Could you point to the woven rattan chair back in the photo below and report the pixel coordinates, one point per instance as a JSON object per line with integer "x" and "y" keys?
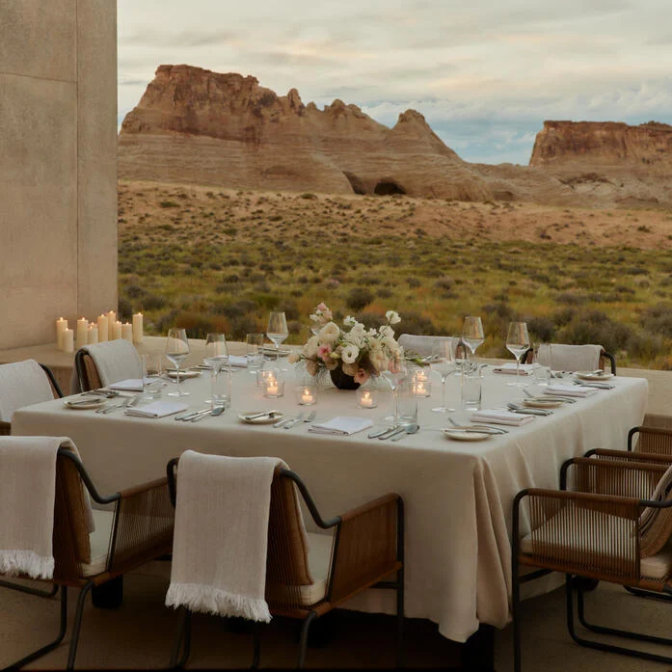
{"x": 87, "y": 373}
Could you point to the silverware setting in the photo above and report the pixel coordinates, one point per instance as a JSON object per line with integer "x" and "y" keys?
{"x": 550, "y": 397}
{"x": 478, "y": 427}
{"x": 523, "y": 410}
{"x": 381, "y": 432}
{"x": 264, "y": 414}
{"x": 599, "y": 386}
{"x": 290, "y": 422}
{"x": 299, "y": 418}
{"x": 212, "y": 413}
{"x": 410, "y": 429}
{"x": 128, "y": 401}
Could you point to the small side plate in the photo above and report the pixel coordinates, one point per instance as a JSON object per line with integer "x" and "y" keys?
{"x": 542, "y": 403}
{"x": 593, "y": 376}
{"x": 263, "y": 420}
{"x": 172, "y": 373}
{"x": 461, "y": 435}
{"x": 85, "y": 405}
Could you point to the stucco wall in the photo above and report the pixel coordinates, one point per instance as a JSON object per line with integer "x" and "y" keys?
{"x": 58, "y": 165}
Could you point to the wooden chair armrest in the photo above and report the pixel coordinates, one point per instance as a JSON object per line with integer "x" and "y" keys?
{"x": 627, "y": 478}
{"x": 5, "y": 428}
{"x": 369, "y": 544}
{"x": 624, "y": 456}
{"x": 143, "y": 525}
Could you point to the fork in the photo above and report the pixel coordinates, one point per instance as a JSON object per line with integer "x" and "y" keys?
{"x": 295, "y": 421}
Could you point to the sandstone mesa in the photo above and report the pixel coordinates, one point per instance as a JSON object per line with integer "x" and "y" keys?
{"x": 197, "y": 126}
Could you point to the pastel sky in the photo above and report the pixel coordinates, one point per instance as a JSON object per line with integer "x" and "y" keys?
{"x": 485, "y": 73}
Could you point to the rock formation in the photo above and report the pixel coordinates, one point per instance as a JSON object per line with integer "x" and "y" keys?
{"x": 197, "y": 126}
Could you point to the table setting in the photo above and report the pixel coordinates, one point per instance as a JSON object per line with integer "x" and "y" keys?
{"x": 457, "y": 458}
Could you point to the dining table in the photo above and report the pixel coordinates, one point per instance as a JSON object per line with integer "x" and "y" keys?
{"x": 457, "y": 494}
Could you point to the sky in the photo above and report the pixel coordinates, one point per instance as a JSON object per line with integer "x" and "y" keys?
{"x": 485, "y": 74}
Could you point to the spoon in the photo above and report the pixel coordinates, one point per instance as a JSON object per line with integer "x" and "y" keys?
{"x": 411, "y": 429}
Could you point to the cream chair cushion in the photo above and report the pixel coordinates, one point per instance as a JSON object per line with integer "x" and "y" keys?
{"x": 319, "y": 561}
{"x": 100, "y": 543}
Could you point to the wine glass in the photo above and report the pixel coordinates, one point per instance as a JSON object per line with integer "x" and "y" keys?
{"x": 472, "y": 333}
{"x": 394, "y": 378}
{"x": 518, "y": 343}
{"x": 177, "y": 348}
{"x": 216, "y": 355}
{"x": 277, "y": 330}
{"x": 443, "y": 363}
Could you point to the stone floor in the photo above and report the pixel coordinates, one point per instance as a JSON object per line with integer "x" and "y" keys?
{"x": 139, "y": 635}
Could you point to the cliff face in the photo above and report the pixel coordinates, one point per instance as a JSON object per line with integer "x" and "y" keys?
{"x": 197, "y": 126}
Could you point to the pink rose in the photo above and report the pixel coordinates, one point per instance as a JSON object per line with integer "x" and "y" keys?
{"x": 322, "y": 306}
{"x": 323, "y": 352}
{"x": 361, "y": 376}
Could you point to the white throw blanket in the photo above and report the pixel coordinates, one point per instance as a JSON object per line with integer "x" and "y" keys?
{"x": 221, "y": 535}
{"x": 115, "y": 360}
{"x": 22, "y": 384}
{"x": 421, "y": 345}
{"x": 27, "y": 496}
{"x": 570, "y": 357}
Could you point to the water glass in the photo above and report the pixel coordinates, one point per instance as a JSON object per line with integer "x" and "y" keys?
{"x": 152, "y": 387}
{"x": 255, "y": 356}
{"x": 220, "y": 387}
{"x": 407, "y": 404}
{"x": 471, "y": 392}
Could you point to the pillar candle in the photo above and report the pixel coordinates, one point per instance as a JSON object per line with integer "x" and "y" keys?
{"x": 137, "y": 328}
{"x": 127, "y": 332}
{"x": 82, "y": 328}
{"x": 116, "y": 330}
{"x": 92, "y": 335}
{"x": 103, "y": 329}
{"x": 68, "y": 340}
{"x": 111, "y": 321}
{"x": 61, "y": 326}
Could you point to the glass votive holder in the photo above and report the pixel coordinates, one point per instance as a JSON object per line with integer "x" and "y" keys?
{"x": 366, "y": 397}
{"x": 306, "y": 395}
{"x": 274, "y": 388}
{"x": 264, "y": 375}
{"x": 421, "y": 385}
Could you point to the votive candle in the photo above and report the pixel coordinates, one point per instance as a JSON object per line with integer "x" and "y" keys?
{"x": 366, "y": 398}
{"x": 92, "y": 335}
{"x": 68, "y": 340}
{"x": 127, "y": 332}
{"x": 61, "y": 326}
{"x": 274, "y": 388}
{"x": 103, "y": 329}
{"x": 116, "y": 330}
{"x": 137, "y": 328}
{"x": 306, "y": 395}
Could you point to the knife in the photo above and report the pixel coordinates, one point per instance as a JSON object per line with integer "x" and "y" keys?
{"x": 379, "y": 433}
{"x": 295, "y": 421}
{"x": 389, "y": 435}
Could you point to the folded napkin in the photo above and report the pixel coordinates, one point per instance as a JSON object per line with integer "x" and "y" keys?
{"x": 237, "y": 360}
{"x": 221, "y": 535}
{"x": 131, "y": 384}
{"x": 342, "y": 426}
{"x": 158, "y": 409}
{"x": 525, "y": 369}
{"x": 501, "y": 418}
{"x": 570, "y": 390}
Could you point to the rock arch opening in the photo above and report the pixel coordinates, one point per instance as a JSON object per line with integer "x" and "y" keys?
{"x": 388, "y": 188}
{"x": 356, "y": 184}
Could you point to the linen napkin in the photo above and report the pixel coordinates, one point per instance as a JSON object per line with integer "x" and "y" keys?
{"x": 237, "y": 360}
{"x": 342, "y": 426}
{"x": 525, "y": 369}
{"x": 131, "y": 384}
{"x": 501, "y": 418}
{"x": 22, "y": 384}
{"x": 157, "y": 409}
{"x": 570, "y": 390}
{"x": 221, "y": 535}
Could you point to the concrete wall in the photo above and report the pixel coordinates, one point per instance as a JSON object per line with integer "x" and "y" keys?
{"x": 58, "y": 165}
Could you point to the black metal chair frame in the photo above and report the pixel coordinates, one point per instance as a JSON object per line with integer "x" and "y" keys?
{"x": 571, "y": 583}
{"x": 79, "y": 368}
{"x": 99, "y": 499}
{"x": 52, "y": 380}
{"x": 184, "y": 634}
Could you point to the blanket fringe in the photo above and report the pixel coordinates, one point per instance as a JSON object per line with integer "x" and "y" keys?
{"x": 197, "y": 597}
{"x": 15, "y": 563}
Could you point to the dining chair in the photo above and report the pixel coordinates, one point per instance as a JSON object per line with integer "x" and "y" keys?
{"x": 648, "y": 439}
{"x": 613, "y": 525}
{"x": 365, "y": 550}
{"x": 24, "y": 376}
{"x": 137, "y": 527}
{"x": 119, "y": 357}
{"x": 587, "y": 357}
{"x": 422, "y": 346}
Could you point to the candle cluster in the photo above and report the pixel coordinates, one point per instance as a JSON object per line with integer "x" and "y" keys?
{"x": 421, "y": 386}
{"x": 105, "y": 328}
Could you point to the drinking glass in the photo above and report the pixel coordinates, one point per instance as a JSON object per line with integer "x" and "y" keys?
{"x": 443, "y": 363}
{"x": 460, "y": 354}
{"x": 394, "y": 378}
{"x": 471, "y": 392}
{"x": 255, "y": 357}
{"x": 542, "y": 373}
{"x": 216, "y": 352}
{"x": 177, "y": 348}
{"x": 277, "y": 328}
{"x": 518, "y": 343}
{"x": 407, "y": 404}
{"x": 151, "y": 380}
{"x": 472, "y": 333}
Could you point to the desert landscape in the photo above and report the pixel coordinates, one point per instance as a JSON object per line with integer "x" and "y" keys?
{"x": 234, "y": 201}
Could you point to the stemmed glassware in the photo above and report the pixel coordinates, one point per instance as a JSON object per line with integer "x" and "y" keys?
{"x": 443, "y": 363}
{"x": 177, "y": 348}
{"x": 277, "y": 330}
{"x": 472, "y": 333}
{"x": 394, "y": 378}
{"x": 518, "y": 343}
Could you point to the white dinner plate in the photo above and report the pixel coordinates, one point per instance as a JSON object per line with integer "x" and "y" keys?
{"x": 585, "y": 375}
{"x": 457, "y": 435}
{"x": 172, "y": 373}
{"x": 89, "y": 405}
{"x": 542, "y": 403}
{"x": 263, "y": 420}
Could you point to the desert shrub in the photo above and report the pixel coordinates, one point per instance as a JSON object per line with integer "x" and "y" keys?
{"x": 240, "y": 326}
{"x": 198, "y": 325}
{"x": 413, "y": 282}
{"x": 570, "y": 299}
{"x": 444, "y": 283}
{"x": 153, "y": 302}
{"x": 658, "y": 319}
{"x": 168, "y": 204}
{"x": 294, "y": 326}
{"x": 125, "y": 309}
{"x": 413, "y": 322}
{"x": 242, "y": 307}
{"x": 133, "y": 291}
{"x": 541, "y": 329}
{"x": 358, "y": 298}
{"x": 594, "y": 326}
{"x": 266, "y": 301}
{"x": 384, "y": 293}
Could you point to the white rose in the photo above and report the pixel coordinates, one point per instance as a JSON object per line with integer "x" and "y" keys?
{"x": 329, "y": 333}
{"x": 350, "y": 353}
{"x": 349, "y": 321}
{"x": 392, "y": 317}
{"x": 310, "y": 348}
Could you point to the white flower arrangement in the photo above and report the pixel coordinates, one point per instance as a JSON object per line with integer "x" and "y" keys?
{"x": 360, "y": 352}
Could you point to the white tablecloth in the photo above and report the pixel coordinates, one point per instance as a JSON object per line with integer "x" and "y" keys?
{"x": 457, "y": 495}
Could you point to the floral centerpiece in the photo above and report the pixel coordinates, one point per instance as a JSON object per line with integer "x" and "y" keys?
{"x": 352, "y": 353}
